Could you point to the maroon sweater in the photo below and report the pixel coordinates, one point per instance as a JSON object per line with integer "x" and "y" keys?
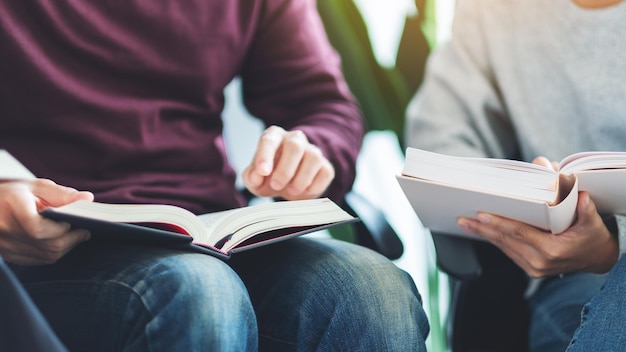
{"x": 124, "y": 98}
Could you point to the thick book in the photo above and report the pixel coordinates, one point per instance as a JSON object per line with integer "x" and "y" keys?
{"x": 441, "y": 188}
{"x": 220, "y": 233}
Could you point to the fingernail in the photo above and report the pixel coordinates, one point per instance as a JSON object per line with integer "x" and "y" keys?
{"x": 265, "y": 168}
{"x": 464, "y": 225}
{"x": 484, "y": 218}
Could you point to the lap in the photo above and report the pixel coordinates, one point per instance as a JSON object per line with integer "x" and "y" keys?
{"x": 110, "y": 295}
{"x": 602, "y": 325}
{"x": 295, "y": 294}
{"x": 351, "y": 297}
{"x": 555, "y": 309}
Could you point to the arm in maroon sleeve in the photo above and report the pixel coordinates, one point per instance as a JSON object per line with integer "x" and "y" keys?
{"x": 292, "y": 78}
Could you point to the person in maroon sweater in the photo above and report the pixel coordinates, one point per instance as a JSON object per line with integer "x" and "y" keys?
{"x": 123, "y": 100}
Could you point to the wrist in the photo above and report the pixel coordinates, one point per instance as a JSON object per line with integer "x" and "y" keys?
{"x": 617, "y": 241}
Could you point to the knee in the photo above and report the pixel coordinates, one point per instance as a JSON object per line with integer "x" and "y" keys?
{"x": 197, "y": 283}
{"x": 364, "y": 274}
{"x": 385, "y": 293}
{"x": 372, "y": 296}
{"x": 198, "y": 297}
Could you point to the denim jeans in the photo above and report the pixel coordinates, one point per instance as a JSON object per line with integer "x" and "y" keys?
{"x": 22, "y": 327}
{"x": 555, "y": 310}
{"x": 303, "y": 294}
{"x": 603, "y": 318}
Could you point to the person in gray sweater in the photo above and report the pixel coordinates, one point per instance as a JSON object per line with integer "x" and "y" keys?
{"x": 537, "y": 80}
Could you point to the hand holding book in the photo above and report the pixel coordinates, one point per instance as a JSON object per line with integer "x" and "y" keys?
{"x": 220, "y": 233}
{"x": 441, "y": 188}
{"x": 26, "y": 238}
{"x": 40, "y": 240}
{"x": 586, "y": 246}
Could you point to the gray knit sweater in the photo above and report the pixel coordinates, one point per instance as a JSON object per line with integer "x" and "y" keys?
{"x": 523, "y": 78}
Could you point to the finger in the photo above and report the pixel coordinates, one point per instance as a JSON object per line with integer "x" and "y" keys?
{"x": 251, "y": 179}
{"x": 312, "y": 162}
{"x": 515, "y": 239}
{"x": 269, "y": 143}
{"x": 509, "y": 231}
{"x": 52, "y": 194}
{"x": 292, "y": 151}
{"x": 26, "y": 221}
{"x": 21, "y": 217}
{"x": 543, "y": 161}
{"x": 55, "y": 248}
{"x": 262, "y": 189}
{"x": 586, "y": 210}
{"x": 39, "y": 252}
{"x": 19, "y": 259}
{"x": 484, "y": 226}
{"x": 321, "y": 182}
{"x": 600, "y": 241}
{"x": 257, "y": 184}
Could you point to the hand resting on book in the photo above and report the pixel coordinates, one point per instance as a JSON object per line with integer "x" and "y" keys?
{"x": 287, "y": 165}
{"x": 26, "y": 238}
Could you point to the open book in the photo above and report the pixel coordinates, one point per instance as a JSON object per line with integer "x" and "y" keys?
{"x": 220, "y": 233}
{"x": 441, "y": 188}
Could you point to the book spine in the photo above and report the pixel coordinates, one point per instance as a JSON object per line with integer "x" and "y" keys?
{"x": 563, "y": 214}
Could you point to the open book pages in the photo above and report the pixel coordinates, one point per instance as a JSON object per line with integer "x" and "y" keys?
{"x": 597, "y": 172}
{"x": 438, "y": 206}
{"x": 243, "y": 223}
{"x": 223, "y": 230}
{"x": 588, "y": 161}
{"x": 442, "y": 188}
{"x": 500, "y": 176}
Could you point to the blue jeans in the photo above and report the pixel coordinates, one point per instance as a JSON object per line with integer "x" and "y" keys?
{"x": 302, "y": 294}
{"x": 556, "y": 307}
{"x": 603, "y": 318}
